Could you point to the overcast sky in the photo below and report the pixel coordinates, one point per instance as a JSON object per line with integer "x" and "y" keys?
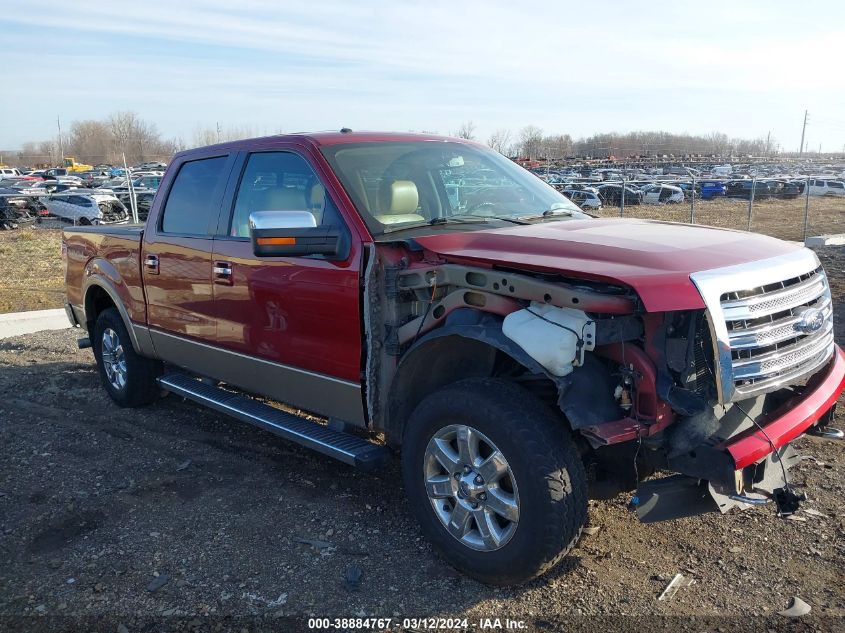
{"x": 743, "y": 68}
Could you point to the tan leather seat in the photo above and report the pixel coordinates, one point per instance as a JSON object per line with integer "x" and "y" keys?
{"x": 398, "y": 202}
{"x": 317, "y": 202}
{"x": 280, "y": 199}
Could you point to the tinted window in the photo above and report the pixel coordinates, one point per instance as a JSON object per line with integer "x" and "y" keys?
{"x": 836, "y": 185}
{"x": 189, "y": 206}
{"x": 280, "y": 181}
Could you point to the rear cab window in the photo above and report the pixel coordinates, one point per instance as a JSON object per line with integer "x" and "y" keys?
{"x": 190, "y": 207}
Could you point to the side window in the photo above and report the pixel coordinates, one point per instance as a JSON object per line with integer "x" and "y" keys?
{"x": 280, "y": 181}
{"x": 80, "y": 201}
{"x": 188, "y": 209}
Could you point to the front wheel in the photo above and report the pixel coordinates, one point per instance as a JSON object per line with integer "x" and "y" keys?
{"x": 494, "y": 479}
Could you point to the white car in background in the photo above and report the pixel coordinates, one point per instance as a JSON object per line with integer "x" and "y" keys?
{"x": 660, "y": 193}
{"x": 824, "y": 187}
{"x": 584, "y": 198}
{"x": 85, "y": 207}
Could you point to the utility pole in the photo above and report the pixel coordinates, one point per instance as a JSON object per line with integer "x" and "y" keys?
{"x": 803, "y": 129}
{"x": 61, "y": 142}
{"x": 218, "y": 132}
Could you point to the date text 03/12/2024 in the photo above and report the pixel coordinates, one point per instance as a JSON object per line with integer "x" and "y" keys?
{"x": 442, "y": 624}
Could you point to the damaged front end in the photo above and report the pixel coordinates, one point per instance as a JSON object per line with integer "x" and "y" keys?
{"x": 755, "y": 370}
{"x": 712, "y": 396}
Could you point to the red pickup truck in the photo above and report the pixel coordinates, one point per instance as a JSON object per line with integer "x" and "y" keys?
{"x": 425, "y": 294}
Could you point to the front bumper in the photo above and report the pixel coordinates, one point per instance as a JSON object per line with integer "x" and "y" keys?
{"x": 793, "y": 418}
{"x": 748, "y": 468}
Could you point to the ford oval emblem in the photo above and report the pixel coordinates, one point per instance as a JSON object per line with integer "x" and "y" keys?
{"x": 811, "y": 320}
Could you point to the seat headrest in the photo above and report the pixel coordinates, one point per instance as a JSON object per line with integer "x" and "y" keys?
{"x": 281, "y": 199}
{"x": 398, "y": 197}
{"x": 317, "y": 196}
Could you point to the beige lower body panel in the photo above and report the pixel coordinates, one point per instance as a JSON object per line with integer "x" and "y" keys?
{"x": 317, "y": 393}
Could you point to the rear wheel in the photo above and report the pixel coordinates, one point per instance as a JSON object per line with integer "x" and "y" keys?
{"x": 494, "y": 479}
{"x": 129, "y": 378}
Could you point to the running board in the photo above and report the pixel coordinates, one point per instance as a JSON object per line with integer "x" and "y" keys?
{"x": 348, "y": 448}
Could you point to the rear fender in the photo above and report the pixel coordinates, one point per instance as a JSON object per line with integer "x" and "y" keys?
{"x": 102, "y": 277}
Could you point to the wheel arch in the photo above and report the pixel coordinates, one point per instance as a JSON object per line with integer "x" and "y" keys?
{"x": 470, "y": 345}
{"x": 99, "y": 295}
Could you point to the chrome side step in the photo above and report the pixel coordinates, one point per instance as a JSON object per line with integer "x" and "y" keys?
{"x": 345, "y": 447}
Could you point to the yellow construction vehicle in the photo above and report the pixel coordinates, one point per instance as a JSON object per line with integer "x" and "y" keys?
{"x": 72, "y": 165}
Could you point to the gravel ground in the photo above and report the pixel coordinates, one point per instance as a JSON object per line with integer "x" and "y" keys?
{"x": 173, "y": 510}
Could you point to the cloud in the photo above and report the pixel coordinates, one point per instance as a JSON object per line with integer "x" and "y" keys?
{"x": 413, "y": 64}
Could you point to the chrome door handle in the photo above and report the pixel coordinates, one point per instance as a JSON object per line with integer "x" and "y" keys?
{"x": 151, "y": 264}
{"x": 222, "y": 273}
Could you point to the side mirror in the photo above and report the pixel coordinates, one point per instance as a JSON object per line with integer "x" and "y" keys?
{"x": 291, "y": 234}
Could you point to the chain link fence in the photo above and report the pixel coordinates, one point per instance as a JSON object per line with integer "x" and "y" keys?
{"x": 30, "y": 245}
{"x": 792, "y": 211}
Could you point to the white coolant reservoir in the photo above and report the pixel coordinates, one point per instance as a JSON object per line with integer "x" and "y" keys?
{"x": 554, "y": 337}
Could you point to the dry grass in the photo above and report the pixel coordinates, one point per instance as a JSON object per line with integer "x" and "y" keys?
{"x": 32, "y": 277}
{"x": 779, "y": 218}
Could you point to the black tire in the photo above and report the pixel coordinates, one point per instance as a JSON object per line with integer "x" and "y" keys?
{"x": 140, "y": 386}
{"x": 545, "y": 463}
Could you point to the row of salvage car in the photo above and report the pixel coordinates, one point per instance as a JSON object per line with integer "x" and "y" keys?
{"x": 65, "y": 200}
{"x": 593, "y": 195}
{"x": 74, "y": 206}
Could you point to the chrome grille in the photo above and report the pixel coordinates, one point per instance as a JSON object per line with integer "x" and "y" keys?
{"x": 755, "y": 311}
{"x": 766, "y": 348}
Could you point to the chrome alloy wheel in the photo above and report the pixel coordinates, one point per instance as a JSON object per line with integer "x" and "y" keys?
{"x": 471, "y": 487}
{"x": 114, "y": 360}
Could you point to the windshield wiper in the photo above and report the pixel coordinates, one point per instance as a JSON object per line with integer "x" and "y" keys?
{"x": 550, "y": 213}
{"x": 454, "y": 219}
{"x": 469, "y": 218}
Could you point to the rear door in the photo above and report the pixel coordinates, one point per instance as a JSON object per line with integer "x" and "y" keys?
{"x": 291, "y": 325}
{"x": 176, "y": 259}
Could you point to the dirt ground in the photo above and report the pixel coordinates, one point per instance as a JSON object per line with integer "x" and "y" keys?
{"x": 173, "y": 510}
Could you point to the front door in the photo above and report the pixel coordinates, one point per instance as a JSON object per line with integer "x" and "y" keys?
{"x": 292, "y": 323}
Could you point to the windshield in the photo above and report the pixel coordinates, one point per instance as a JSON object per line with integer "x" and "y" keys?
{"x": 403, "y": 185}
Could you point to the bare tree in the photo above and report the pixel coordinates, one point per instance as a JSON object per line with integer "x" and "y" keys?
{"x": 531, "y": 140}
{"x": 89, "y": 141}
{"x": 210, "y": 136}
{"x": 49, "y": 152}
{"x": 657, "y": 143}
{"x": 136, "y": 138}
{"x": 500, "y": 140}
{"x": 557, "y": 146}
{"x": 466, "y": 130}
{"x": 32, "y": 156}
